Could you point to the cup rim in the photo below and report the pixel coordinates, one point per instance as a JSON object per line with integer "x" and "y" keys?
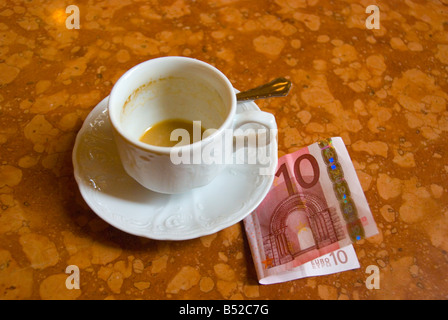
{"x": 167, "y": 150}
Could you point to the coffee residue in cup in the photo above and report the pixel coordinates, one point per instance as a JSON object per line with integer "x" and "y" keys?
{"x": 159, "y": 134}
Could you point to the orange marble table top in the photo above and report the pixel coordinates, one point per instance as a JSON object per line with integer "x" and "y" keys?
{"x": 383, "y": 90}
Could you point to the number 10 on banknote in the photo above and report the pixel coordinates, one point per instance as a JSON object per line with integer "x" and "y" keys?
{"x": 315, "y": 206}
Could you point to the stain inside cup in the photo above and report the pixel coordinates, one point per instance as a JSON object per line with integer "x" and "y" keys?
{"x": 160, "y": 134}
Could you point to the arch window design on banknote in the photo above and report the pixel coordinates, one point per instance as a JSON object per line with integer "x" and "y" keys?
{"x": 300, "y": 223}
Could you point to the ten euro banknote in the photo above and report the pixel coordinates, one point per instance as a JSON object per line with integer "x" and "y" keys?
{"x": 315, "y": 207}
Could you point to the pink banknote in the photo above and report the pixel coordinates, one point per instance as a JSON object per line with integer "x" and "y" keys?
{"x": 316, "y": 206}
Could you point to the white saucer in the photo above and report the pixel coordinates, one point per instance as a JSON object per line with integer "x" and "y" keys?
{"x": 125, "y": 204}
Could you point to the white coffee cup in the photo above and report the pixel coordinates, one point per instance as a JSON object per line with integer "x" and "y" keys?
{"x": 175, "y": 87}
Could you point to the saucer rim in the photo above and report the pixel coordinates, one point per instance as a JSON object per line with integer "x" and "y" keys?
{"x": 192, "y": 234}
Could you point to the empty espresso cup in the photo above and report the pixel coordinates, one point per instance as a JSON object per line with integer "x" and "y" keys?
{"x": 167, "y": 88}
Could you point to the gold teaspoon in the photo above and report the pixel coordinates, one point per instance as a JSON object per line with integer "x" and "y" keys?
{"x": 276, "y": 88}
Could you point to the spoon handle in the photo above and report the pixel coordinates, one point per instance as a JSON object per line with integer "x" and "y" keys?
{"x": 276, "y": 88}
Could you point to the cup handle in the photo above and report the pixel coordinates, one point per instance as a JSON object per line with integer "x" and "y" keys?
{"x": 265, "y": 119}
